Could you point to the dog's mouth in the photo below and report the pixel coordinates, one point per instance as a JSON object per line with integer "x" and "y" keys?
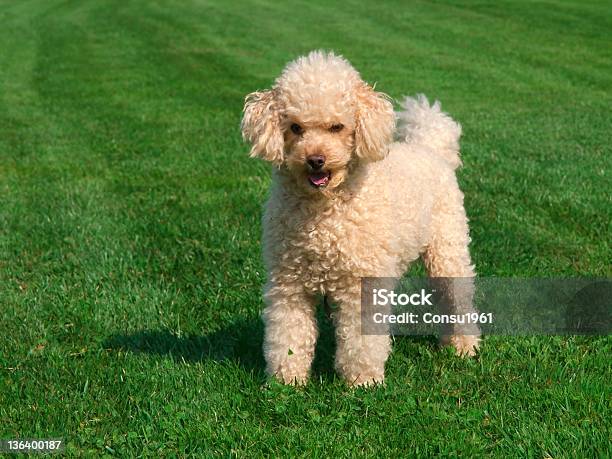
{"x": 319, "y": 179}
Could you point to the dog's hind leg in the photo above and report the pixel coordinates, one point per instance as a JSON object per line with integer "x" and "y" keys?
{"x": 290, "y": 333}
{"x": 447, "y": 259}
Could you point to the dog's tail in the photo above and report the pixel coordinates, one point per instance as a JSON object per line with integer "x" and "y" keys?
{"x": 422, "y": 123}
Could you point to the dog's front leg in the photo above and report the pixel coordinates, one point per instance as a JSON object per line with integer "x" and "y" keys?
{"x": 290, "y": 333}
{"x": 360, "y": 359}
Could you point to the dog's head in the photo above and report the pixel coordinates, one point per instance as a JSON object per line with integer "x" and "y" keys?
{"x": 318, "y": 121}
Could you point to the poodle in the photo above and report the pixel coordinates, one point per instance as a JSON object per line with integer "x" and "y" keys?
{"x": 349, "y": 201}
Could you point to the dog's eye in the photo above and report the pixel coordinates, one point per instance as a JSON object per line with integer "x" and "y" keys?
{"x": 296, "y": 129}
{"x": 336, "y": 127}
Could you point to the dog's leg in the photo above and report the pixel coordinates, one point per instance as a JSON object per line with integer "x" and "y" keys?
{"x": 360, "y": 359}
{"x": 447, "y": 256}
{"x": 290, "y": 333}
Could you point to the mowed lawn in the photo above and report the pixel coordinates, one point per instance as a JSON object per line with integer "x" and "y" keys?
{"x": 130, "y": 256}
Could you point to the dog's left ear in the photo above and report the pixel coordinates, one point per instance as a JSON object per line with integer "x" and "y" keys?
{"x": 374, "y": 125}
{"x": 261, "y": 126}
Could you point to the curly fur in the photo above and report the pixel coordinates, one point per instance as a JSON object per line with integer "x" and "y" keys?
{"x": 386, "y": 204}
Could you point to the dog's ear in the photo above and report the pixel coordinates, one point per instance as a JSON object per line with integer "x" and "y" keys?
{"x": 374, "y": 125}
{"x": 261, "y": 126}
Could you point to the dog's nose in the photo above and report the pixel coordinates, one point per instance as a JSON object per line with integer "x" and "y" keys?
{"x": 316, "y": 161}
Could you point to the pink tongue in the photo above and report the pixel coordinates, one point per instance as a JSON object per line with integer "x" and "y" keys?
{"x": 319, "y": 178}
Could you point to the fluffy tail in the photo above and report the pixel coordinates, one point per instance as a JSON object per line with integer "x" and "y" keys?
{"x": 427, "y": 125}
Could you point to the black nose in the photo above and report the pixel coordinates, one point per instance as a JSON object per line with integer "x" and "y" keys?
{"x": 316, "y": 161}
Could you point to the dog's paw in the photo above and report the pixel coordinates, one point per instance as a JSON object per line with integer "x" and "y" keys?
{"x": 464, "y": 345}
{"x": 293, "y": 380}
{"x": 365, "y": 380}
{"x": 291, "y": 376}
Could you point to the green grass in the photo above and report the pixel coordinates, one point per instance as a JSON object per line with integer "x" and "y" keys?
{"x": 130, "y": 267}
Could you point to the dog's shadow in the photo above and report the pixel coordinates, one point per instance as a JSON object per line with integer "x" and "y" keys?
{"x": 239, "y": 343}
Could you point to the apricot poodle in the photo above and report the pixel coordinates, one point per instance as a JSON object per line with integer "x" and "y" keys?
{"x": 348, "y": 201}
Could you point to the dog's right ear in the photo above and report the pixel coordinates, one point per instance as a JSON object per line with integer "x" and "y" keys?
{"x": 261, "y": 126}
